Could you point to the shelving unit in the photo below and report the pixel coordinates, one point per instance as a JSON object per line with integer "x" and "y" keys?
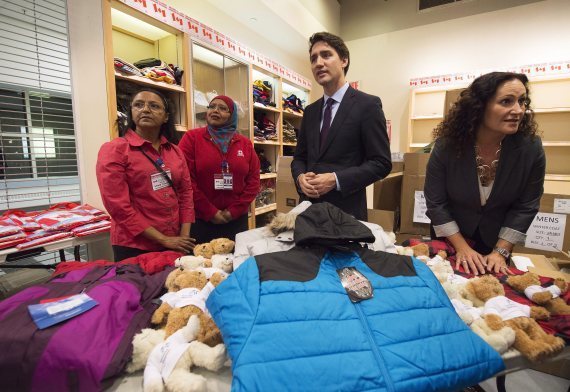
{"x": 132, "y": 36}
{"x": 550, "y": 99}
{"x": 214, "y": 73}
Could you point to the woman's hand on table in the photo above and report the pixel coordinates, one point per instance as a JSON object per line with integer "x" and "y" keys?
{"x": 180, "y": 244}
{"x": 497, "y": 264}
{"x": 471, "y": 261}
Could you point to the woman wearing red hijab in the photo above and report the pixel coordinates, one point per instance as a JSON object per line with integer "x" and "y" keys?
{"x": 224, "y": 169}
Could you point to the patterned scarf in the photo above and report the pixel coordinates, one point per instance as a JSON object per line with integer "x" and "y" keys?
{"x": 223, "y": 135}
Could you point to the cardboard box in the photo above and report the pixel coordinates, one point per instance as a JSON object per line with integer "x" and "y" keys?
{"x": 555, "y": 200}
{"x": 286, "y": 191}
{"x": 388, "y": 220}
{"x": 451, "y": 97}
{"x": 397, "y": 167}
{"x": 549, "y": 267}
{"x": 414, "y": 179}
{"x": 386, "y": 202}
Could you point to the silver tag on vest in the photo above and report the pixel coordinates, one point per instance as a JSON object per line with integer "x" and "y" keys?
{"x": 357, "y": 286}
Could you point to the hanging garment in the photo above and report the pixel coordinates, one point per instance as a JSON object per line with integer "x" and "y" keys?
{"x": 82, "y": 353}
{"x": 289, "y": 324}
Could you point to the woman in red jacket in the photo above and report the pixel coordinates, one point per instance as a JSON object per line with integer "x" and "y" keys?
{"x": 144, "y": 182}
{"x": 225, "y": 173}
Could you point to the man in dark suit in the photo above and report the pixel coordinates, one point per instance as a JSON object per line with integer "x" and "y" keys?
{"x": 342, "y": 146}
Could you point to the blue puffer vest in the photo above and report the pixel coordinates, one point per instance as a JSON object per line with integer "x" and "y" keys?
{"x": 289, "y": 324}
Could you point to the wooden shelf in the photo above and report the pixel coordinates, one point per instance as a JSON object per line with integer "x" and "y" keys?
{"x": 267, "y": 143}
{"x": 431, "y": 117}
{"x": 264, "y": 209}
{"x": 265, "y": 176}
{"x": 415, "y": 145}
{"x": 557, "y": 177}
{"x": 290, "y": 144}
{"x": 149, "y": 82}
{"x": 551, "y": 110}
{"x": 556, "y": 144}
{"x": 266, "y": 109}
{"x": 292, "y": 114}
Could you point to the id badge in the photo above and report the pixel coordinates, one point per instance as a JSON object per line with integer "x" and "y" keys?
{"x": 357, "y": 286}
{"x": 223, "y": 181}
{"x": 158, "y": 180}
{"x": 218, "y": 182}
{"x": 228, "y": 181}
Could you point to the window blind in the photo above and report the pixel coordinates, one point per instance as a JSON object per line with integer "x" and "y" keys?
{"x": 38, "y": 157}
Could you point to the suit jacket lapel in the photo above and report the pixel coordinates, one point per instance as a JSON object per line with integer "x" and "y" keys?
{"x": 314, "y": 124}
{"x": 341, "y": 114}
{"x": 472, "y": 177}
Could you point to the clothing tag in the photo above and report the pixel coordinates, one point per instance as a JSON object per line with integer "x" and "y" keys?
{"x": 48, "y": 314}
{"x": 356, "y": 285}
{"x": 159, "y": 181}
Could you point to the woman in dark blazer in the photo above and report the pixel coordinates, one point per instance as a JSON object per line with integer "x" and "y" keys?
{"x": 485, "y": 174}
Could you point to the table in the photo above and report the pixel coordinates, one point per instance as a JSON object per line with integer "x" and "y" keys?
{"x": 59, "y": 245}
{"x": 221, "y": 381}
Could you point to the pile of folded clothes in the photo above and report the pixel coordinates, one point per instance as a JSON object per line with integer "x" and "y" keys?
{"x": 152, "y": 68}
{"x": 264, "y": 129}
{"x": 292, "y": 104}
{"x": 289, "y": 132}
{"x": 265, "y": 195}
{"x": 262, "y": 93}
{"x": 264, "y": 164}
{"x": 24, "y": 230}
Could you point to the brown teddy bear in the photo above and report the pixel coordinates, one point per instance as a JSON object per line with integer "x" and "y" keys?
{"x": 205, "y": 250}
{"x": 549, "y": 297}
{"x": 187, "y": 293}
{"x": 530, "y": 338}
{"x": 222, "y": 246}
{"x": 215, "y": 247}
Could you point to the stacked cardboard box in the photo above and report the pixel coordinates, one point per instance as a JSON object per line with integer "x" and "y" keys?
{"x": 386, "y": 201}
{"x": 287, "y": 196}
{"x": 552, "y": 224}
{"x": 412, "y": 203}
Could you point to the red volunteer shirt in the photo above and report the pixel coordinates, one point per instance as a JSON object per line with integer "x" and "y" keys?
{"x": 124, "y": 178}
{"x": 204, "y": 159}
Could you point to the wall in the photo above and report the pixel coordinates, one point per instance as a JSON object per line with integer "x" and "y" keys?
{"x": 529, "y": 34}
{"x": 365, "y": 18}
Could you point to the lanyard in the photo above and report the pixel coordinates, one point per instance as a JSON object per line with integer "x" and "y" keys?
{"x": 158, "y": 164}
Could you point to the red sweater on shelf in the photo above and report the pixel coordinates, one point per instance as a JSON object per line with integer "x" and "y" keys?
{"x": 204, "y": 159}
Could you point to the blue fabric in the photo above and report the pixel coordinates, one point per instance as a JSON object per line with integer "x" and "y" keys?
{"x": 309, "y": 336}
{"x": 223, "y": 135}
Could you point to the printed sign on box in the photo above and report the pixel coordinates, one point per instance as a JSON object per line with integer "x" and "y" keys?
{"x": 420, "y": 208}
{"x": 562, "y": 206}
{"x": 546, "y": 232}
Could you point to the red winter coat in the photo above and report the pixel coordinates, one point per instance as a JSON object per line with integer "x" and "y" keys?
{"x": 204, "y": 159}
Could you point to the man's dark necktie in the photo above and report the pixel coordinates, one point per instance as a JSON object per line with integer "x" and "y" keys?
{"x": 326, "y": 121}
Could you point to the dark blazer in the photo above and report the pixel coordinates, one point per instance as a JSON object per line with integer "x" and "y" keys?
{"x": 357, "y": 149}
{"x": 452, "y": 191}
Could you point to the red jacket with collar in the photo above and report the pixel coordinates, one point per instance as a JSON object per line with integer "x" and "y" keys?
{"x": 204, "y": 159}
{"x": 124, "y": 178}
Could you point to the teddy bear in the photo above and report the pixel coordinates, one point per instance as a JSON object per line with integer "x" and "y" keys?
{"x": 188, "y": 291}
{"x": 492, "y": 329}
{"x": 206, "y": 250}
{"x": 224, "y": 261}
{"x": 190, "y": 262}
{"x": 222, "y": 245}
{"x": 216, "y": 246}
{"x": 549, "y": 297}
{"x": 530, "y": 338}
{"x": 170, "y": 362}
{"x": 143, "y": 344}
